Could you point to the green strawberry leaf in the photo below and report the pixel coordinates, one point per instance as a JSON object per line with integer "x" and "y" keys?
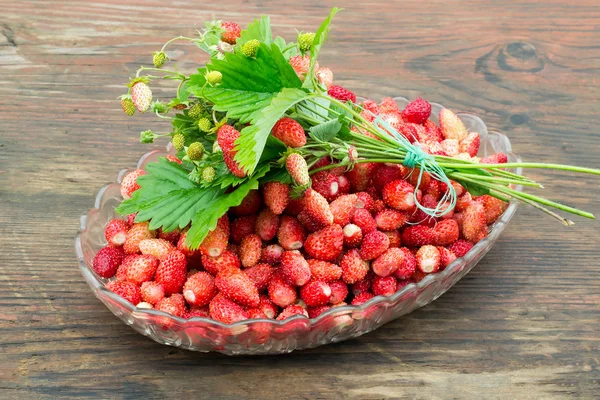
{"x": 288, "y": 50}
{"x": 260, "y": 30}
{"x": 320, "y": 37}
{"x": 326, "y": 131}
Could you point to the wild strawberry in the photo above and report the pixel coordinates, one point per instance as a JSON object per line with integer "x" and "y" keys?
{"x": 399, "y": 194}
{"x": 295, "y": 268}
{"x": 388, "y": 105}
{"x": 135, "y": 235}
{"x": 256, "y": 313}
{"x": 141, "y": 96}
{"x": 301, "y": 64}
{"x": 364, "y": 220}
{"x": 432, "y": 131}
{"x": 412, "y": 132}
{"x": 281, "y": 292}
{"x": 298, "y": 169}
{"x": 318, "y": 207}
{"x": 354, "y": 267}
{"x": 231, "y": 33}
{"x": 131, "y": 219}
{"x": 127, "y": 105}
{"x": 364, "y": 200}
{"x": 121, "y": 274}
{"x": 385, "y": 174}
{"x": 340, "y": 93}
{"x": 418, "y": 235}
{"x": 240, "y": 227}
{"x": 470, "y": 144}
{"x": 276, "y": 196}
{"x": 227, "y": 259}
{"x": 226, "y": 137}
{"x": 172, "y": 236}
{"x": 428, "y": 259}
{"x": 271, "y": 254}
{"x": 378, "y": 206}
{"x": 417, "y": 111}
{"x": 389, "y": 220}
{"x": 339, "y": 292}
{"x": 266, "y": 226}
{"x": 158, "y": 248}
{"x": 364, "y": 285}
{"x": 171, "y": 272}
{"x": 451, "y": 147}
{"x": 493, "y": 207}
{"x": 292, "y": 310}
{"x": 184, "y": 248}
{"x": 446, "y": 232}
{"x": 199, "y": 289}
{"x": 314, "y": 312}
{"x": 352, "y": 236}
{"x": 216, "y": 241}
{"x": 343, "y": 209}
{"x": 474, "y": 226}
{"x": 237, "y": 286}
{"x": 290, "y": 132}
{"x": 309, "y": 222}
{"x": 127, "y": 290}
{"x": 250, "y": 250}
{"x": 360, "y": 176}
{"x": 446, "y": 257}
{"x": 461, "y": 247}
{"x": 260, "y": 275}
{"x": 395, "y": 238}
{"x": 362, "y": 298}
{"x": 250, "y": 205}
{"x": 226, "y": 311}
{"x": 116, "y": 231}
{"x": 499, "y": 158}
{"x": 326, "y": 244}
{"x": 343, "y": 185}
{"x": 315, "y": 293}
{"x": 452, "y": 127}
{"x": 463, "y": 201}
{"x": 129, "y": 184}
{"x": 324, "y": 271}
{"x": 326, "y": 184}
{"x": 193, "y": 312}
{"x": 152, "y": 292}
{"x": 384, "y": 286}
{"x": 291, "y": 233}
{"x": 325, "y": 77}
{"x": 107, "y": 261}
{"x": 374, "y": 244}
{"x": 142, "y": 269}
{"x": 387, "y": 263}
{"x": 267, "y": 306}
{"x": 408, "y": 265}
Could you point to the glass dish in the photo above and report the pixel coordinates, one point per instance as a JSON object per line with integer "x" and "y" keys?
{"x": 265, "y": 336}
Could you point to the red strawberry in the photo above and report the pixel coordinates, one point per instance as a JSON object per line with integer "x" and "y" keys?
{"x": 418, "y": 235}
{"x": 371, "y": 107}
{"x": 131, "y": 219}
{"x": 226, "y": 137}
{"x": 294, "y": 207}
{"x": 428, "y": 259}
{"x": 292, "y": 310}
{"x": 142, "y": 269}
{"x": 231, "y": 33}
{"x": 325, "y": 77}
{"x": 271, "y": 254}
{"x": 227, "y": 259}
{"x": 260, "y": 275}
{"x": 326, "y": 244}
{"x": 408, "y": 265}
{"x": 493, "y": 207}
{"x": 417, "y": 111}
{"x": 385, "y": 174}
{"x": 158, "y": 248}
{"x": 226, "y": 311}
{"x": 173, "y": 159}
{"x": 352, "y": 236}
{"x": 364, "y": 200}
{"x": 343, "y": 209}
{"x": 446, "y": 232}
{"x": 399, "y": 194}
{"x": 309, "y": 222}
{"x": 342, "y": 94}
{"x": 129, "y": 183}
{"x": 324, "y": 271}
{"x": 266, "y": 226}
{"x": 171, "y": 272}
{"x": 267, "y": 306}
{"x": 291, "y": 233}
{"x": 281, "y": 292}
{"x": 463, "y": 201}
{"x": 354, "y": 268}
{"x": 388, "y": 105}
{"x": 362, "y": 298}
{"x": 389, "y": 220}
{"x": 116, "y": 231}
{"x": 201, "y": 312}
{"x": 499, "y": 158}
{"x": 301, "y": 64}
{"x": 199, "y": 289}
{"x": 250, "y": 250}
{"x": 314, "y": 312}
{"x": 277, "y": 196}
{"x": 360, "y": 176}
{"x": 343, "y": 185}
{"x": 107, "y": 261}
{"x": 317, "y": 207}
{"x": 432, "y": 131}
{"x": 174, "y": 305}
{"x": 295, "y": 268}
{"x": 127, "y": 290}
{"x": 236, "y": 286}
{"x": 378, "y": 206}
{"x": 216, "y": 241}
{"x": 184, "y": 248}
{"x": 326, "y": 184}
{"x": 384, "y": 286}
{"x": 256, "y": 313}
{"x": 461, "y": 247}
{"x": 452, "y": 127}
{"x": 446, "y": 257}
{"x": 290, "y": 132}
{"x": 387, "y": 263}
{"x": 373, "y": 245}
{"x": 395, "y": 238}
{"x": 364, "y": 285}
{"x": 242, "y": 226}
{"x": 339, "y": 292}
{"x": 141, "y": 95}
{"x": 364, "y": 220}
{"x": 297, "y": 168}
{"x": 474, "y": 226}
{"x": 315, "y": 293}
{"x": 470, "y": 144}
{"x": 172, "y": 236}
{"x": 250, "y": 205}
{"x": 152, "y": 292}
{"x": 135, "y": 235}
{"x": 121, "y": 274}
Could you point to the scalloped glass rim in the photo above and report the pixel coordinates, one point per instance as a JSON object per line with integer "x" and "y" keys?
{"x": 490, "y": 142}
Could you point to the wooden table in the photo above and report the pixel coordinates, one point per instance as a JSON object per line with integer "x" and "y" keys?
{"x": 523, "y": 324}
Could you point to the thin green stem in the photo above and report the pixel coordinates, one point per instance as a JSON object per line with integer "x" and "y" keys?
{"x": 174, "y": 39}
{"x": 559, "y": 167}
{"x": 458, "y": 176}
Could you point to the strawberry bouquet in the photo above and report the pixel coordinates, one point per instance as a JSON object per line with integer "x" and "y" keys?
{"x": 287, "y": 195}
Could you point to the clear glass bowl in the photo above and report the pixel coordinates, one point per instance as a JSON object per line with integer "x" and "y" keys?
{"x": 265, "y": 336}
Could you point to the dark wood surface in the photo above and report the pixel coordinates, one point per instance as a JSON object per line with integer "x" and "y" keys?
{"x": 525, "y": 323}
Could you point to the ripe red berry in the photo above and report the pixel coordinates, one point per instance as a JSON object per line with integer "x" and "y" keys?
{"x": 199, "y": 289}
{"x": 384, "y": 286}
{"x": 417, "y": 111}
{"x": 231, "y": 33}
{"x": 107, "y": 261}
{"x": 172, "y": 272}
{"x": 360, "y": 176}
{"x": 292, "y": 310}
{"x": 418, "y": 235}
{"x": 326, "y": 184}
{"x": 271, "y": 254}
{"x": 374, "y": 244}
{"x": 236, "y": 286}
{"x": 399, "y": 194}
{"x": 389, "y": 220}
{"x": 385, "y": 174}
{"x": 116, "y": 232}
{"x": 260, "y": 275}
{"x": 428, "y": 259}
{"x": 227, "y": 259}
{"x": 135, "y": 235}
{"x": 387, "y": 263}
{"x": 250, "y": 205}
{"x": 362, "y": 298}
{"x": 226, "y": 137}
{"x": 499, "y": 158}
{"x": 340, "y": 93}
{"x": 324, "y": 271}
{"x": 296, "y": 166}
{"x": 354, "y": 268}
{"x": 309, "y": 222}
{"x": 290, "y": 132}
{"x": 291, "y": 233}
{"x": 317, "y": 207}
{"x": 266, "y": 226}
{"x": 364, "y": 220}
{"x": 127, "y": 290}
{"x": 343, "y": 209}
{"x": 294, "y": 268}
{"x": 158, "y": 248}
{"x": 152, "y": 292}
{"x": 395, "y": 238}
{"x": 240, "y": 227}
{"x": 129, "y": 183}
{"x": 281, "y": 292}
{"x": 216, "y": 241}
{"x": 339, "y": 292}
{"x": 315, "y": 293}
{"x": 226, "y": 311}
{"x": 445, "y": 232}
{"x": 142, "y": 269}
{"x": 474, "y": 226}
{"x": 250, "y": 250}
{"x": 461, "y": 247}
{"x": 326, "y": 244}
{"x": 408, "y": 265}
{"x": 352, "y": 236}
{"x": 446, "y": 257}
{"x": 276, "y": 196}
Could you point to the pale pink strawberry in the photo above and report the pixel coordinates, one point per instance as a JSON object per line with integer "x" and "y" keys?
{"x": 294, "y": 268}
{"x": 301, "y": 64}
{"x": 158, "y": 248}
{"x": 343, "y": 209}
{"x": 399, "y": 194}
{"x": 360, "y": 176}
{"x": 250, "y": 250}
{"x": 260, "y": 275}
{"x": 116, "y": 231}
{"x": 461, "y": 247}
{"x": 250, "y": 205}
{"x": 324, "y": 271}
{"x": 226, "y": 137}
{"x": 395, "y": 238}
{"x": 172, "y": 272}
{"x": 315, "y": 293}
{"x": 129, "y": 183}
{"x": 362, "y": 298}
{"x": 127, "y": 290}
{"x": 240, "y": 227}
{"x": 271, "y": 254}
{"x": 446, "y": 232}
{"x": 432, "y": 131}
{"x": 387, "y": 263}
{"x": 384, "y": 286}
{"x": 266, "y": 226}
{"x": 317, "y": 206}
{"x": 135, "y": 235}
{"x": 291, "y": 311}
{"x": 470, "y": 144}
{"x": 226, "y": 311}
{"x": 237, "y": 286}
{"x": 451, "y": 147}
{"x": 281, "y": 292}
{"x": 291, "y": 233}
{"x": 199, "y": 289}
{"x": 499, "y": 158}
{"x": 339, "y": 292}
{"x": 142, "y": 269}
{"x": 428, "y": 259}
{"x": 452, "y": 127}
{"x": 352, "y": 236}
{"x": 464, "y": 201}
{"x": 107, "y": 261}
{"x": 325, "y": 77}
{"x": 326, "y": 244}
{"x": 152, "y": 292}
{"x": 354, "y": 268}
{"x": 446, "y": 257}
{"x": 374, "y": 244}
{"x": 474, "y": 226}
{"x": 226, "y": 259}
{"x": 326, "y": 184}
{"x": 276, "y": 196}
{"x": 296, "y": 166}
{"x": 408, "y": 265}
{"x": 364, "y": 220}
{"x": 141, "y": 95}
{"x": 174, "y": 305}
{"x": 389, "y": 220}
{"x": 216, "y": 241}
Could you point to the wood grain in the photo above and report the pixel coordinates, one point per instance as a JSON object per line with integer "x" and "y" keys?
{"x": 524, "y": 324}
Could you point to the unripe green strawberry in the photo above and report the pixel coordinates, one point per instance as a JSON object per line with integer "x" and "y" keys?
{"x": 204, "y": 124}
{"x": 214, "y": 77}
{"x": 141, "y": 95}
{"x": 178, "y": 141}
{"x": 305, "y": 41}
{"x": 195, "y": 151}
{"x": 127, "y": 105}
{"x": 250, "y": 48}
{"x": 159, "y": 58}
{"x": 147, "y": 136}
{"x": 298, "y": 169}
{"x": 196, "y": 110}
{"x": 208, "y": 174}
